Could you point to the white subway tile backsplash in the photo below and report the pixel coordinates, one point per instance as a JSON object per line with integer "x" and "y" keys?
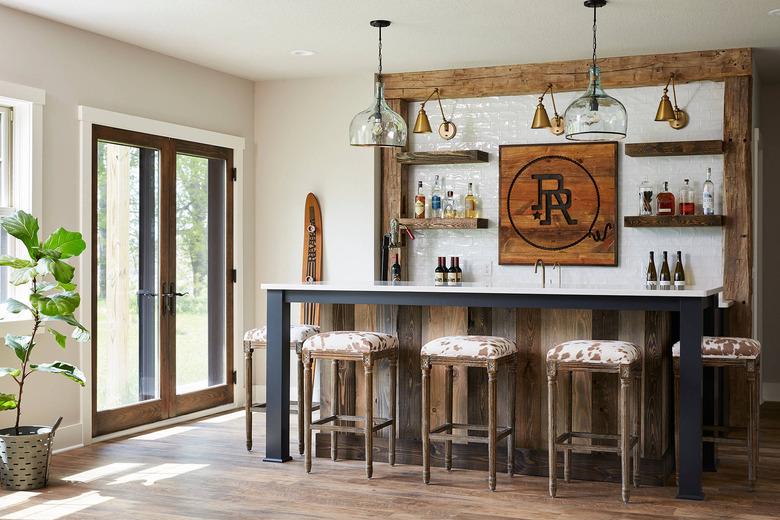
{"x": 487, "y": 123}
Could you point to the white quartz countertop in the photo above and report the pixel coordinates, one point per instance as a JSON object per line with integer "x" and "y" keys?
{"x": 474, "y": 288}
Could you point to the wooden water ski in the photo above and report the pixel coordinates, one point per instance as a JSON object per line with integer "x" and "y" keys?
{"x": 311, "y": 270}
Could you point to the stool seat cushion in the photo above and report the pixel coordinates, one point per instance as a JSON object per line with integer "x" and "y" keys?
{"x": 350, "y": 342}
{"x": 474, "y": 347}
{"x": 722, "y": 347}
{"x": 298, "y": 334}
{"x": 608, "y": 352}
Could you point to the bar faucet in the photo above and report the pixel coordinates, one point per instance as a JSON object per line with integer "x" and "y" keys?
{"x": 536, "y": 267}
{"x": 557, "y": 266}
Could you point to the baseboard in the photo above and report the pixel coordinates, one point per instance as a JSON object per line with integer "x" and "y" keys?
{"x": 770, "y": 391}
{"x": 68, "y": 438}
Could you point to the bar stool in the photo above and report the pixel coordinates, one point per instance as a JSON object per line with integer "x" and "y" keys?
{"x": 487, "y": 352}
{"x": 617, "y": 357}
{"x": 367, "y": 347}
{"x": 258, "y": 339}
{"x": 726, "y": 352}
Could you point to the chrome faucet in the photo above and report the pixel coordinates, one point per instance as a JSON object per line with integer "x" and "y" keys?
{"x": 557, "y": 266}
{"x": 536, "y": 270}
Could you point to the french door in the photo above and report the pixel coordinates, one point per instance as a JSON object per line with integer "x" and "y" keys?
{"x": 162, "y": 233}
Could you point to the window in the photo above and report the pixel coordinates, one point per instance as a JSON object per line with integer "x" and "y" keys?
{"x": 6, "y": 203}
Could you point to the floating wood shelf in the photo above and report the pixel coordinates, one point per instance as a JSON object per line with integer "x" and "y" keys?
{"x": 673, "y": 221}
{"x": 444, "y": 223}
{"x": 672, "y": 148}
{"x": 449, "y": 157}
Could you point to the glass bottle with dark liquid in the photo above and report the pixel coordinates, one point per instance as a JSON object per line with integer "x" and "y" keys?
{"x": 679, "y": 273}
{"x": 665, "y": 283}
{"x": 395, "y": 270}
{"x": 439, "y": 272}
{"x": 651, "y": 279}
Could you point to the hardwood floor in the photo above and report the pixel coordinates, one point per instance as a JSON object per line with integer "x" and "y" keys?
{"x": 201, "y": 470}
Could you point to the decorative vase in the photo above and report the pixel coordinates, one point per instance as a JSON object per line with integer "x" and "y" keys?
{"x": 25, "y": 458}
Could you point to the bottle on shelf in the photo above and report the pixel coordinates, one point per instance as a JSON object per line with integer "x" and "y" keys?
{"x": 470, "y": 203}
{"x": 449, "y": 206}
{"x": 439, "y": 272}
{"x": 645, "y": 198}
{"x": 452, "y": 273}
{"x": 665, "y": 278}
{"x": 665, "y": 201}
{"x": 708, "y": 195}
{"x": 395, "y": 270}
{"x": 679, "y": 273}
{"x": 436, "y": 209}
{"x": 687, "y": 204}
{"x": 458, "y": 271}
{"x": 419, "y": 202}
{"x": 651, "y": 279}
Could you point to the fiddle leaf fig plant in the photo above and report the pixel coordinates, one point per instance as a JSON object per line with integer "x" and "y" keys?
{"x": 52, "y": 302}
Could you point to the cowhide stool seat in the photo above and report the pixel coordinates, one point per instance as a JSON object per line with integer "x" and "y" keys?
{"x": 718, "y": 352}
{"x": 489, "y": 352}
{"x": 365, "y": 347}
{"x": 258, "y": 338}
{"x": 617, "y": 357}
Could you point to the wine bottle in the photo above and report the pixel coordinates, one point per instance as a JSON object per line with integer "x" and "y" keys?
{"x": 436, "y": 209}
{"x": 439, "y": 272}
{"x": 651, "y": 280}
{"x": 419, "y": 202}
{"x": 665, "y": 282}
{"x": 458, "y": 272}
{"x": 452, "y": 273}
{"x": 679, "y": 273}
{"x": 708, "y": 195}
{"x": 395, "y": 270}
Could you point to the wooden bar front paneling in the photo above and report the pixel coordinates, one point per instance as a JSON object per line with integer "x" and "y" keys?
{"x": 624, "y": 71}
{"x": 604, "y": 419}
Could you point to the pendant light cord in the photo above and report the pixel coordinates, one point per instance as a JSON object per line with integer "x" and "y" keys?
{"x": 594, "y": 35}
{"x": 380, "y": 54}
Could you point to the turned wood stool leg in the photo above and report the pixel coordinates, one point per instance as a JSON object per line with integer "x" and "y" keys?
{"x": 510, "y": 443}
{"x": 752, "y": 430}
{"x": 625, "y": 424}
{"x": 567, "y": 413}
{"x": 335, "y": 400}
{"x": 393, "y": 406}
{"x": 491, "y": 370}
{"x": 426, "y": 418}
{"x": 676, "y": 364}
{"x": 300, "y": 400}
{"x": 248, "y": 393}
{"x": 307, "y": 411}
{"x": 636, "y": 405}
{"x": 552, "y": 395}
{"x": 448, "y": 415}
{"x": 368, "y": 366}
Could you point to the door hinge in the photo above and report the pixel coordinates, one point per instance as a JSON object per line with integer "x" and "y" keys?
{"x": 235, "y": 377}
{"x": 235, "y": 174}
{"x": 234, "y": 275}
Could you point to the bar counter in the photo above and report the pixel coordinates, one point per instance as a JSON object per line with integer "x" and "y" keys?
{"x": 535, "y": 318}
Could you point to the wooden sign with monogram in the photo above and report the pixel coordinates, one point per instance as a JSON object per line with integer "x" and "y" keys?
{"x": 558, "y": 203}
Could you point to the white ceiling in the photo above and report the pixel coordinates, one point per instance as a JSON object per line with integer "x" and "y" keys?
{"x": 253, "y": 38}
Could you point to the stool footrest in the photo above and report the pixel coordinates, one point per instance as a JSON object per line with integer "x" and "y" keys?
{"x": 323, "y": 426}
{"x": 564, "y": 441}
{"x": 437, "y": 434}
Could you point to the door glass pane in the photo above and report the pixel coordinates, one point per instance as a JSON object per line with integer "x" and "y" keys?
{"x": 127, "y": 335}
{"x": 200, "y": 273}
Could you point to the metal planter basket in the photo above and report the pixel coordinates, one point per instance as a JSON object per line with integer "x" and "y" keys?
{"x": 25, "y": 458}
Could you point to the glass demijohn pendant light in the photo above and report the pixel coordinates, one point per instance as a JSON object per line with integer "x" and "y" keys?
{"x": 378, "y": 125}
{"x": 595, "y": 116}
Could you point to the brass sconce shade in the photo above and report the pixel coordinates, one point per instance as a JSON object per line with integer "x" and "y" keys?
{"x": 542, "y": 120}
{"x": 422, "y": 125}
{"x": 676, "y": 117}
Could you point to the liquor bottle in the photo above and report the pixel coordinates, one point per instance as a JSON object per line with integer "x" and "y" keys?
{"x": 665, "y": 282}
{"x": 419, "y": 202}
{"x": 395, "y": 270}
{"x": 645, "y": 198}
{"x": 439, "y": 272}
{"x": 679, "y": 273}
{"x": 687, "y": 204}
{"x": 458, "y": 271}
{"x": 452, "y": 273}
{"x": 436, "y": 210}
{"x": 651, "y": 280}
{"x": 471, "y": 204}
{"x": 708, "y": 195}
{"x": 449, "y": 206}
{"x": 665, "y": 201}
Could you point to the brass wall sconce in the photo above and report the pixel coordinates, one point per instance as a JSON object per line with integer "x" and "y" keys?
{"x": 422, "y": 125}
{"x": 542, "y": 120}
{"x": 676, "y": 117}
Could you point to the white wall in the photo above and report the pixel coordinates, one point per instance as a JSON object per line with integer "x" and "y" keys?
{"x": 75, "y": 67}
{"x": 301, "y": 130}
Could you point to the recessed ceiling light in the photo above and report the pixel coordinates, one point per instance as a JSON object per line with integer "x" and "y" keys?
{"x": 302, "y": 52}
{"x": 775, "y": 12}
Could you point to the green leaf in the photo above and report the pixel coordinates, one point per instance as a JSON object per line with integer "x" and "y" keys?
{"x": 15, "y": 306}
{"x": 15, "y": 263}
{"x": 59, "y": 337}
{"x": 24, "y": 227}
{"x": 80, "y": 332}
{"x": 56, "y": 304}
{"x": 7, "y": 371}
{"x": 66, "y": 243}
{"x": 20, "y": 344}
{"x": 61, "y": 271}
{"x": 7, "y": 401}
{"x": 60, "y": 367}
{"x": 47, "y": 286}
{"x": 22, "y": 276}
